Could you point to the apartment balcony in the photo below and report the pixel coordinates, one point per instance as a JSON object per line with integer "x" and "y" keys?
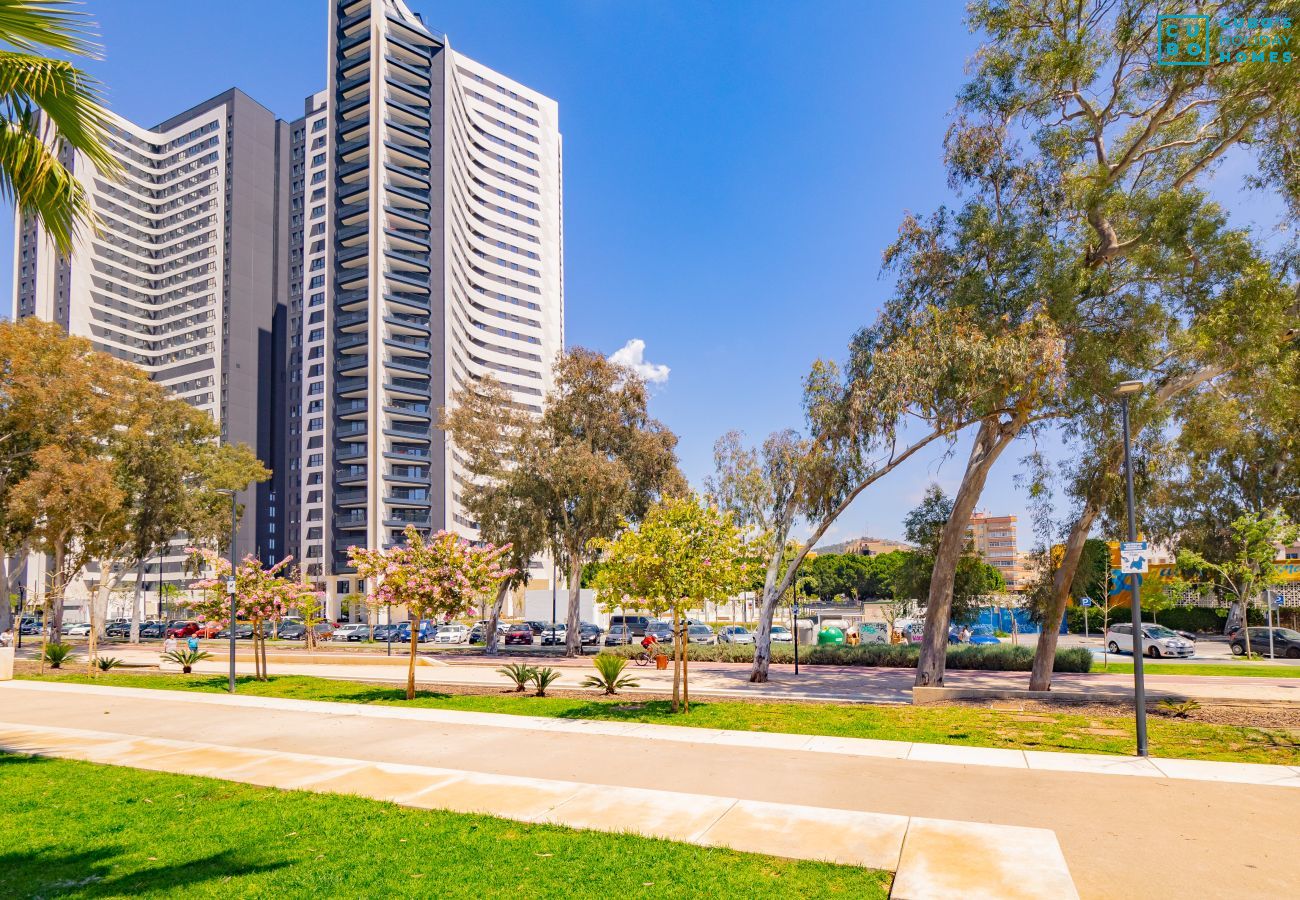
{"x": 351, "y": 340}
{"x": 351, "y": 364}
{"x": 408, "y": 280}
{"x": 352, "y": 232}
{"x": 407, "y": 113}
{"x": 350, "y": 475}
{"x": 419, "y": 262}
{"x": 351, "y": 408}
{"x": 352, "y": 103}
{"x": 405, "y": 365}
{"x": 413, "y": 160}
{"x": 350, "y": 387}
{"x": 418, "y": 240}
{"x": 354, "y": 520}
{"x": 351, "y": 431}
{"x": 350, "y": 452}
{"x": 408, "y": 215}
{"x": 420, "y": 346}
{"x": 403, "y": 323}
{"x": 356, "y": 167}
{"x": 352, "y": 254}
{"x": 419, "y": 75}
{"x": 401, "y": 193}
{"x": 410, "y": 411}
{"x": 352, "y": 214}
{"x": 399, "y": 519}
{"x": 414, "y": 134}
{"x": 349, "y": 44}
{"x": 354, "y": 64}
{"x": 406, "y": 475}
{"x": 416, "y": 498}
{"x": 350, "y": 497}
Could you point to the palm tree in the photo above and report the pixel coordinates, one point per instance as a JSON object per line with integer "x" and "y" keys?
{"x": 48, "y": 107}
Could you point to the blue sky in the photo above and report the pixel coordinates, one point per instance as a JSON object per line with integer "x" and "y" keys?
{"x": 733, "y": 171}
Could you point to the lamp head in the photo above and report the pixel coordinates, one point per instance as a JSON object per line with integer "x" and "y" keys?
{"x": 1128, "y": 388}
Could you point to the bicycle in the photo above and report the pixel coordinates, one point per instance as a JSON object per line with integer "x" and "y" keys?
{"x": 647, "y": 655}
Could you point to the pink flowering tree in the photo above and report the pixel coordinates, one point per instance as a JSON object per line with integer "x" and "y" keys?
{"x": 437, "y": 577}
{"x": 263, "y": 595}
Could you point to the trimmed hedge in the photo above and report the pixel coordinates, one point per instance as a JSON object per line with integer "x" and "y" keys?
{"x": 1198, "y": 619}
{"x": 985, "y": 657}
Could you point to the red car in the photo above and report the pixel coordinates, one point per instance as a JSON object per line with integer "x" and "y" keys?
{"x": 182, "y": 629}
{"x": 519, "y": 634}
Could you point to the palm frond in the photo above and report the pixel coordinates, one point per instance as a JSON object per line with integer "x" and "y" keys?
{"x": 70, "y": 99}
{"x": 57, "y": 24}
{"x": 32, "y": 177}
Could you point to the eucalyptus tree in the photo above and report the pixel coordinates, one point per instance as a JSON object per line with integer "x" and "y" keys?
{"x": 1085, "y": 164}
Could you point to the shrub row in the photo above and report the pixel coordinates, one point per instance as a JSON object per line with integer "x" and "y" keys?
{"x": 999, "y": 658}
{"x": 1198, "y": 619}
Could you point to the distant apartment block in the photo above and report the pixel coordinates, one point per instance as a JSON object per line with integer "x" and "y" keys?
{"x": 322, "y": 285}
{"x": 994, "y": 539}
{"x": 868, "y": 546}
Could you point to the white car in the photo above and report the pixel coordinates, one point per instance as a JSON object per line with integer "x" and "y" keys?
{"x": 782, "y": 635}
{"x": 455, "y": 633}
{"x": 1157, "y": 641}
{"x": 735, "y": 634}
{"x": 77, "y": 629}
{"x": 352, "y": 631}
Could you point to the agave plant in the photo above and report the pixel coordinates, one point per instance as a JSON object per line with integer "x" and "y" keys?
{"x": 519, "y": 673}
{"x": 57, "y": 653}
{"x": 108, "y": 662}
{"x": 544, "y": 678}
{"x": 187, "y": 658}
{"x": 609, "y": 674}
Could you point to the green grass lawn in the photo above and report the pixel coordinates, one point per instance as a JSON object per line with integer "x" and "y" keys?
{"x": 75, "y": 829}
{"x": 1244, "y": 669}
{"x": 966, "y": 725}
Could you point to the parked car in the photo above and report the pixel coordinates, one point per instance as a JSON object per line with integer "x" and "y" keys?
{"x": 243, "y": 631}
{"x": 1286, "y": 642}
{"x": 76, "y": 629}
{"x": 618, "y": 635}
{"x": 117, "y": 629}
{"x": 700, "y": 634}
{"x": 537, "y": 627}
{"x": 590, "y": 634}
{"x": 520, "y": 634}
{"x": 427, "y": 629}
{"x": 782, "y": 635}
{"x": 353, "y": 631}
{"x": 554, "y": 635}
{"x": 983, "y": 634}
{"x": 451, "y": 633}
{"x": 660, "y": 631}
{"x": 1157, "y": 641}
{"x": 182, "y": 629}
{"x": 386, "y": 632}
{"x": 152, "y": 629}
{"x": 736, "y": 634}
{"x": 297, "y": 630}
{"x": 636, "y": 624}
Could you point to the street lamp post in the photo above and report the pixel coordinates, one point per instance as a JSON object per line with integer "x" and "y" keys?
{"x": 1126, "y": 390}
{"x": 230, "y": 582}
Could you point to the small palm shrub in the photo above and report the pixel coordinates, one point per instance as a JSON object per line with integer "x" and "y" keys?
{"x": 544, "y": 678}
{"x": 519, "y": 673}
{"x": 609, "y": 674}
{"x": 187, "y": 658}
{"x": 107, "y": 662}
{"x": 57, "y": 653}
{"x": 1179, "y": 709}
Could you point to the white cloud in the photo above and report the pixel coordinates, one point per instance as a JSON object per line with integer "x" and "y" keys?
{"x": 632, "y": 355}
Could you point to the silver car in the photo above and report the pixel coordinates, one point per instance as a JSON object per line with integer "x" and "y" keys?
{"x": 700, "y": 634}
{"x": 735, "y": 634}
{"x": 1157, "y": 641}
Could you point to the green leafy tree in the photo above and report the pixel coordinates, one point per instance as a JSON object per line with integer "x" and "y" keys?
{"x": 1247, "y": 569}
{"x": 486, "y": 428}
{"x": 682, "y": 554}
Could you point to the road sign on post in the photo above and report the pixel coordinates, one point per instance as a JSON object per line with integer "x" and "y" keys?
{"x": 230, "y": 586}
{"x": 1085, "y": 602}
{"x": 1133, "y": 557}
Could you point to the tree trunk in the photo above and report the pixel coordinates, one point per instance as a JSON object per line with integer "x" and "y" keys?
{"x": 410, "y": 667}
{"x": 6, "y": 577}
{"x": 573, "y": 631}
{"x": 686, "y": 666}
{"x": 991, "y": 439}
{"x": 137, "y": 602}
{"x": 676, "y": 665}
{"x": 261, "y": 640}
{"x": 1040, "y": 677}
{"x": 490, "y": 638}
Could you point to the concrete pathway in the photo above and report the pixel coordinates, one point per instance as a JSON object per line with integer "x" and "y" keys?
{"x": 1180, "y": 823}
{"x": 848, "y": 684}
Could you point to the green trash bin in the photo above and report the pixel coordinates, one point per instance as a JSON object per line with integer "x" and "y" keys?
{"x": 831, "y": 636}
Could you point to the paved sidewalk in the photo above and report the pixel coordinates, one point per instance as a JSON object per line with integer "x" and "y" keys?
{"x": 1181, "y": 823}
{"x": 848, "y": 684}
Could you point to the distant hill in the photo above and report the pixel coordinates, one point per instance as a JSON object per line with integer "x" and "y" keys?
{"x": 867, "y": 546}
